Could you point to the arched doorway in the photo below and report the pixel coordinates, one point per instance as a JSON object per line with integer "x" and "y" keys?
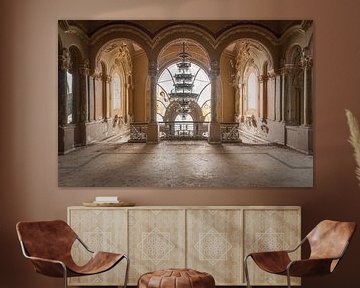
{"x": 183, "y": 95}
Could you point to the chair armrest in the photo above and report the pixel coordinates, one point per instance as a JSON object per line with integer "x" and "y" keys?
{"x": 309, "y": 267}
{"x": 48, "y": 267}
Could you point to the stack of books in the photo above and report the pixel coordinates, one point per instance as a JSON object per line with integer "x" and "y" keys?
{"x": 106, "y": 199}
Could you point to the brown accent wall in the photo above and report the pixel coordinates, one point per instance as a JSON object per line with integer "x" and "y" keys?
{"x": 28, "y": 114}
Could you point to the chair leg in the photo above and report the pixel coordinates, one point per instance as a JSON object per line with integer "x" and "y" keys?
{"x": 288, "y": 278}
{"x": 246, "y": 272}
{"x": 127, "y": 271}
{"x": 65, "y": 276}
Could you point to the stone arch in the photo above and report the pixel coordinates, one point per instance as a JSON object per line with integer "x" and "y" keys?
{"x": 296, "y": 89}
{"x": 195, "y": 112}
{"x": 107, "y": 34}
{"x": 292, "y": 52}
{"x": 183, "y": 31}
{"x": 295, "y": 36}
{"x": 203, "y": 60}
{"x": 263, "y": 37}
{"x": 76, "y": 56}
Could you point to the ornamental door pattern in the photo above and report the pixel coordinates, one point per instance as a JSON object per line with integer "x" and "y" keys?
{"x": 156, "y": 240}
{"x": 270, "y": 230}
{"x": 214, "y": 241}
{"x": 208, "y": 239}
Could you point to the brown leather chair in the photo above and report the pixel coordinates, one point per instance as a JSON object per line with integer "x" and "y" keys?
{"x": 328, "y": 242}
{"x": 48, "y": 245}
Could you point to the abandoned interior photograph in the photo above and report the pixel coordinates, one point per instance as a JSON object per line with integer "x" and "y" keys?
{"x": 217, "y": 103}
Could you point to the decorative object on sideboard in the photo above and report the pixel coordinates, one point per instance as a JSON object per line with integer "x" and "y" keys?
{"x": 354, "y": 139}
{"x": 108, "y": 201}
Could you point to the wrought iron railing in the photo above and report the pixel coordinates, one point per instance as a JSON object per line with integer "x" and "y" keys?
{"x": 138, "y": 132}
{"x": 230, "y": 132}
{"x": 183, "y": 130}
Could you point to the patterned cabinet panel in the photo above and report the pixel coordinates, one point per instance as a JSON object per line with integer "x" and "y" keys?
{"x": 271, "y": 229}
{"x": 101, "y": 230}
{"x": 214, "y": 244}
{"x": 209, "y": 239}
{"x": 156, "y": 240}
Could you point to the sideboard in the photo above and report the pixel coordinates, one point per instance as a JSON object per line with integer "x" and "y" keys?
{"x": 211, "y": 239}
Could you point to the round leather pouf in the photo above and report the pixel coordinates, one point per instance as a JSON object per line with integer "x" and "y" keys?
{"x": 176, "y": 278}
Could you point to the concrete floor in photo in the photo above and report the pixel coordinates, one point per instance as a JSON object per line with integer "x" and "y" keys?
{"x": 184, "y": 164}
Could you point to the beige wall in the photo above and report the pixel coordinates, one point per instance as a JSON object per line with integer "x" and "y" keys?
{"x": 28, "y": 112}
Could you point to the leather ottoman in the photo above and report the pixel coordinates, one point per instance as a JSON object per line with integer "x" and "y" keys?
{"x": 176, "y": 278}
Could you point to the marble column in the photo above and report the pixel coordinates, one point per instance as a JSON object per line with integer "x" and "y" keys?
{"x": 127, "y": 101}
{"x": 306, "y": 63}
{"x": 278, "y": 98}
{"x": 153, "y": 128}
{"x": 84, "y": 91}
{"x": 237, "y": 110}
{"x": 271, "y": 96}
{"x": 91, "y": 102}
{"x": 285, "y": 95}
{"x": 63, "y": 67}
{"x": 106, "y": 79}
{"x": 214, "y": 129}
{"x": 263, "y": 96}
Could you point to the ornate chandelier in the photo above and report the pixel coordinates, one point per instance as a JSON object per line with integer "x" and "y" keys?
{"x": 183, "y": 85}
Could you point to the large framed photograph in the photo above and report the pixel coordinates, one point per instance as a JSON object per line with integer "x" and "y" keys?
{"x": 165, "y": 103}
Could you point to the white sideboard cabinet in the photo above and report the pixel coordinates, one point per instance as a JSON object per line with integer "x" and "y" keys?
{"x": 210, "y": 239}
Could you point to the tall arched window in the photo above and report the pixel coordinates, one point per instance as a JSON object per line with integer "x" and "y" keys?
{"x": 70, "y": 97}
{"x": 251, "y": 92}
{"x": 202, "y": 87}
{"x": 116, "y": 91}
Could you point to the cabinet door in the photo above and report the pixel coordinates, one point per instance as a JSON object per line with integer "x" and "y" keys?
{"x": 269, "y": 230}
{"x": 156, "y": 240}
{"x": 214, "y": 244}
{"x": 101, "y": 230}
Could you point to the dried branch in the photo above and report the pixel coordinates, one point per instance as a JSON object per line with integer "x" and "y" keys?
{"x": 354, "y": 139}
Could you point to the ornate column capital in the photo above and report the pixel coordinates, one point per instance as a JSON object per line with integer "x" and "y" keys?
{"x": 271, "y": 75}
{"x": 263, "y": 78}
{"x": 214, "y": 68}
{"x": 106, "y": 78}
{"x": 64, "y": 59}
{"x": 153, "y": 71}
{"x": 96, "y": 75}
{"x": 84, "y": 69}
{"x": 306, "y": 62}
{"x": 306, "y": 59}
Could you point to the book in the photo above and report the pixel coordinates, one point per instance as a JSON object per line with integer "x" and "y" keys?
{"x": 107, "y": 199}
